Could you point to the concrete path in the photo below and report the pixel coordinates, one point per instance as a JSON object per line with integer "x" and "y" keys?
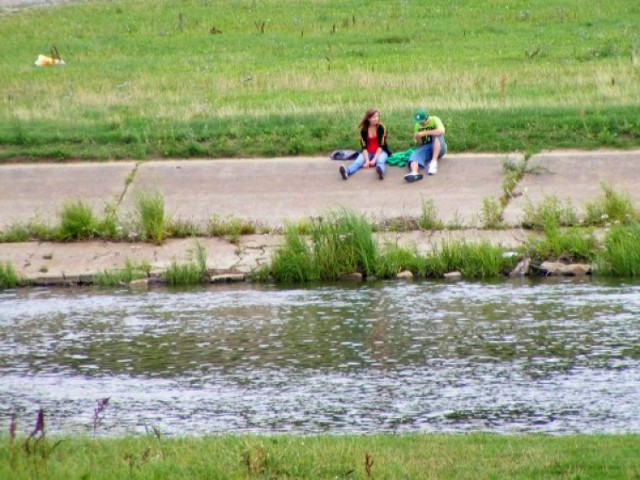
{"x": 273, "y": 191}
{"x": 276, "y": 190}
{"x": 269, "y": 191}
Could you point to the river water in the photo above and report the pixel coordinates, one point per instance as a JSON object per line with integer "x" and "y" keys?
{"x": 527, "y": 356}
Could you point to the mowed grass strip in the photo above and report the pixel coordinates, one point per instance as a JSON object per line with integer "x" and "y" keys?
{"x": 241, "y": 78}
{"x": 479, "y": 456}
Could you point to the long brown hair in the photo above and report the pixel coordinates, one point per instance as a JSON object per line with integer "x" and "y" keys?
{"x": 366, "y": 120}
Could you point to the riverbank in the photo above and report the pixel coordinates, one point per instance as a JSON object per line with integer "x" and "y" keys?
{"x": 474, "y": 198}
{"x": 78, "y": 263}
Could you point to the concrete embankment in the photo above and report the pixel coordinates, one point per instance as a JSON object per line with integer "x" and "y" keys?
{"x": 271, "y": 192}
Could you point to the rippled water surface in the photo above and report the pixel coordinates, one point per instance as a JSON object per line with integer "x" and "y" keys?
{"x": 558, "y": 357}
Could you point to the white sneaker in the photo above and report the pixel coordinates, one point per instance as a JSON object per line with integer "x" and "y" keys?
{"x": 433, "y": 167}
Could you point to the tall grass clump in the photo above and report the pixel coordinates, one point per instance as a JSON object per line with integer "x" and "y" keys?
{"x": 77, "y": 221}
{"x": 8, "y": 276}
{"x": 472, "y": 260}
{"x": 621, "y": 255}
{"x": 491, "y": 215}
{"x": 192, "y": 272}
{"x": 293, "y": 262}
{"x": 395, "y": 259}
{"x": 151, "y": 216}
{"x": 428, "y": 219}
{"x": 612, "y": 207}
{"x": 130, "y": 272}
{"x": 557, "y": 243}
{"x": 107, "y": 226}
{"x": 549, "y": 212}
{"x": 342, "y": 244}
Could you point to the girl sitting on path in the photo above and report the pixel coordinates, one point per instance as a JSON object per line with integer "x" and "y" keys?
{"x": 375, "y": 151}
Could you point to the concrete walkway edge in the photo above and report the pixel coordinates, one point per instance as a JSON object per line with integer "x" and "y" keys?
{"x": 272, "y": 192}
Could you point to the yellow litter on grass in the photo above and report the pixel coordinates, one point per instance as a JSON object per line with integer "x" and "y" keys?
{"x": 46, "y": 61}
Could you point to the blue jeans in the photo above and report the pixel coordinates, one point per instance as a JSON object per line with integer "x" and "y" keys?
{"x": 423, "y": 154}
{"x": 358, "y": 162}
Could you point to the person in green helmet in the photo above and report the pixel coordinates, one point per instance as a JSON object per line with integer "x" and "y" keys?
{"x": 428, "y": 132}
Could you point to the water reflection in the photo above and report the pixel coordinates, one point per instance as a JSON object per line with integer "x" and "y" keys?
{"x": 425, "y": 356}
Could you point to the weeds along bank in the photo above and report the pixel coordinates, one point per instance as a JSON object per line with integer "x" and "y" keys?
{"x": 478, "y": 455}
{"x": 343, "y": 246}
{"x": 210, "y": 79}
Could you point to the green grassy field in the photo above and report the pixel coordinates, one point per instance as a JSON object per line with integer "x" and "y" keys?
{"x": 477, "y": 456}
{"x": 204, "y": 78}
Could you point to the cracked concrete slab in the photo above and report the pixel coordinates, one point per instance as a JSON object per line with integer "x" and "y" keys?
{"x": 51, "y": 262}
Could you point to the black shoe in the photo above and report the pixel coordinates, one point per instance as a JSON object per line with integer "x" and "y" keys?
{"x": 380, "y": 172}
{"x": 343, "y": 172}
{"x": 413, "y": 177}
